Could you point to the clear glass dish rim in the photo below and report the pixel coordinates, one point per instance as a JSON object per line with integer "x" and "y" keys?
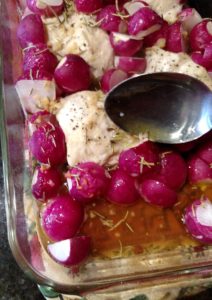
{"x": 13, "y": 242}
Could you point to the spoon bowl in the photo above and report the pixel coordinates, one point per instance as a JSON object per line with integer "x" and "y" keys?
{"x": 171, "y": 107}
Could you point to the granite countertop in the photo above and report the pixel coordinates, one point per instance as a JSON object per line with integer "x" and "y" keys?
{"x": 14, "y": 285}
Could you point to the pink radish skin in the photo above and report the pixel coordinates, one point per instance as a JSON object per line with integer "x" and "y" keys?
{"x": 203, "y": 58}
{"x": 198, "y": 170}
{"x": 87, "y": 182}
{"x": 111, "y": 78}
{"x": 30, "y": 31}
{"x": 37, "y": 58}
{"x": 72, "y": 74}
{"x": 70, "y": 252}
{"x": 121, "y": 188}
{"x": 157, "y": 38}
{"x": 109, "y": 21}
{"x": 173, "y": 171}
{"x": 123, "y": 45}
{"x": 175, "y": 39}
{"x": 88, "y": 6}
{"x": 201, "y": 35}
{"x": 62, "y": 217}
{"x": 47, "y": 10}
{"x": 189, "y": 18}
{"x": 205, "y": 152}
{"x": 198, "y": 220}
{"x": 46, "y": 183}
{"x": 131, "y": 65}
{"x": 157, "y": 193}
{"x": 142, "y": 20}
{"x": 139, "y": 160}
{"x": 47, "y": 145}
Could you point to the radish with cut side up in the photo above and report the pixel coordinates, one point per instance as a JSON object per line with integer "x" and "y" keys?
{"x": 124, "y": 45}
{"x": 198, "y": 220}
{"x": 70, "y": 252}
{"x": 130, "y": 65}
{"x": 111, "y": 78}
{"x": 30, "y": 31}
{"x": 48, "y": 8}
{"x": 189, "y": 18}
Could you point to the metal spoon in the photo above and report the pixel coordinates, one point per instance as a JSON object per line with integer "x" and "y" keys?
{"x": 171, "y": 107}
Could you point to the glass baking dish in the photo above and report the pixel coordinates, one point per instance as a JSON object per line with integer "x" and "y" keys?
{"x": 99, "y": 276}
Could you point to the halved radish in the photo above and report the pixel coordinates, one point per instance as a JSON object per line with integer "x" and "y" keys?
{"x": 201, "y": 35}
{"x": 198, "y": 220}
{"x": 133, "y": 6}
{"x": 124, "y": 45}
{"x": 47, "y": 8}
{"x": 70, "y": 252}
{"x": 111, "y": 78}
{"x": 130, "y": 64}
{"x": 33, "y": 94}
{"x": 157, "y": 38}
{"x": 198, "y": 170}
{"x": 189, "y": 17}
{"x": 176, "y": 41}
{"x": 144, "y": 22}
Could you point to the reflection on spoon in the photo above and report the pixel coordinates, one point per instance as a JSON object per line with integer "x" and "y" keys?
{"x": 171, "y": 107}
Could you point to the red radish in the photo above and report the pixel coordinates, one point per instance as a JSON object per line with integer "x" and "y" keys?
{"x": 87, "y": 181}
{"x": 133, "y": 6}
{"x": 189, "y": 17}
{"x": 36, "y": 75}
{"x": 201, "y": 35}
{"x": 72, "y": 251}
{"x": 121, "y": 188}
{"x": 207, "y": 53}
{"x": 144, "y": 19}
{"x": 173, "y": 171}
{"x": 30, "y": 31}
{"x": 37, "y": 58}
{"x": 130, "y": 64}
{"x": 176, "y": 41}
{"x": 38, "y": 119}
{"x": 198, "y": 220}
{"x": 32, "y": 92}
{"x": 205, "y": 152}
{"x": 46, "y": 183}
{"x": 124, "y": 45}
{"x": 111, "y": 78}
{"x": 157, "y": 38}
{"x": 47, "y": 144}
{"x": 198, "y": 58}
{"x": 47, "y": 8}
{"x": 109, "y": 19}
{"x": 139, "y": 160}
{"x": 198, "y": 170}
{"x": 157, "y": 193}
{"x": 88, "y": 6}
{"x": 61, "y": 217}
{"x": 72, "y": 74}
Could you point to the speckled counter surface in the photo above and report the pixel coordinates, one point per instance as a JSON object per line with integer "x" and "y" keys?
{"x": 14, "y": 285}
